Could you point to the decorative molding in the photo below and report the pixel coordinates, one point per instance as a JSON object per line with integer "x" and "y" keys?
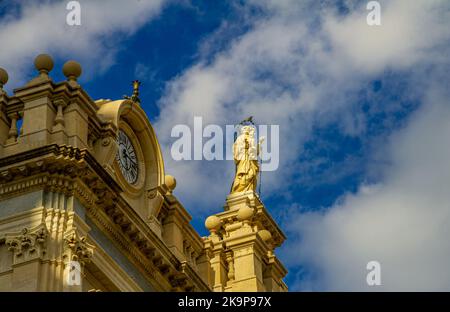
{"x": 230, "y": 265}
{"x": 29, "y": 244}
{"x": 156, "y": 201}
{"x": 78, "y": 249}
{"x": 75, "y": 172}
{"x": 106, "y": 141}
{"x": 62, "y": 160}
{"x": 103, "y": 222}
{"x": 13, "y": 133}
{"x": 59, "y": 122}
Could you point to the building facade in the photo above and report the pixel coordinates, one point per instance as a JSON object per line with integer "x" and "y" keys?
{"x": 85, "y": 204}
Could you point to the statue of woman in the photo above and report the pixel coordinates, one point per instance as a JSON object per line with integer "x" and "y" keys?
{"x": 245, "y": 154}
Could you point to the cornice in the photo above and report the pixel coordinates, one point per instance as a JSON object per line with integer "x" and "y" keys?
{"x": 57, "y": 159}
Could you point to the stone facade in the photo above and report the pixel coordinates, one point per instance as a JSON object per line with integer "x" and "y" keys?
{"x": 64, "y": 201}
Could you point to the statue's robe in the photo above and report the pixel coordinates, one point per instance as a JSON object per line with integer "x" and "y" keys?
{"x": 247, "y": 167}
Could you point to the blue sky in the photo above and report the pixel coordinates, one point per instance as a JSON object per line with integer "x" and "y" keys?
{"x": 357, "y": 107}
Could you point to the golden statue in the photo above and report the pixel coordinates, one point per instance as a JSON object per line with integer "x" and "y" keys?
{"x": 245, "y": 154}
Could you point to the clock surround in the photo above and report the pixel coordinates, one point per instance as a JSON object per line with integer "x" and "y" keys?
{"x": 128, "y": 144}
{"x": 127, "y": 158}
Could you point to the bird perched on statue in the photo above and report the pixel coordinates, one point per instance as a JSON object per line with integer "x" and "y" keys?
{"x": 247, "y": 120}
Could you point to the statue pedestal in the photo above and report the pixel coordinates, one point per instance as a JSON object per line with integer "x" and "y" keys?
{"x": 242, "y": 240}
{"x": 239, "y": 200}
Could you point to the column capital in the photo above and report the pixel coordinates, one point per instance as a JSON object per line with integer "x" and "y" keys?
{"x": 28, "y": 244}
{"x": 77, "y": 248}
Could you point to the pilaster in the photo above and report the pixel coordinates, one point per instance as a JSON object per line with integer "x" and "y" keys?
{"x": 28, "y": 247}
{"x": 243, "y": 238}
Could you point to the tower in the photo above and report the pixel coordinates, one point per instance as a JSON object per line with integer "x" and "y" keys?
{"x": 86, "y": 205}
{"x": 243, "y": 238}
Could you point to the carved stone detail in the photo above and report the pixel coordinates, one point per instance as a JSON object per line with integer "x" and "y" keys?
{"x": 68, "y": 170}
{"x": 230, "y": 266}
{"x": 78, "y": 249}
{"x": 27, "y": 245}
{"x": 156, "y": 200}
{"x": 13, "y": 132}
{"x": 59, "y": 119}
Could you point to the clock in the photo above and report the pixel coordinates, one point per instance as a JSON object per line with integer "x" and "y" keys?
{"x": 127, "y": 158}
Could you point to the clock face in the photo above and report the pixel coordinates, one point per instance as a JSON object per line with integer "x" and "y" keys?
{"x": 127, "y": 159}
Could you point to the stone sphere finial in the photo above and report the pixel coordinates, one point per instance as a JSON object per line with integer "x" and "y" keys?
{"x": 43, "y": 63}
{"x": 170, "y": 182}
{"x": 212, "y": 223}
{"x": 3, "y": 77}
{"x": 265, "y": 235}
{"x": 245, "y": 213}
{"x": 72, "y": 70}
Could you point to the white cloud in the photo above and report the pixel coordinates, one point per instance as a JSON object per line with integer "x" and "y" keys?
{"x": 299, "y": 62}
{"x": 41, "y": 28}
{"x": 403, "y": 223}
{"x": 409, "y": 32}
{"x": 144, "y": 73}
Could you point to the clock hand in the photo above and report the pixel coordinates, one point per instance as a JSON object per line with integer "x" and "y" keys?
{"x": 127, "y": 159}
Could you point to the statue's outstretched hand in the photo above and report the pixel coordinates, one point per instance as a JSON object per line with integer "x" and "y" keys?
{"x": 261, "y": 140}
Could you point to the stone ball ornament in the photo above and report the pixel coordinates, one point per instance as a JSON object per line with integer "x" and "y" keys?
{"x": 3, "y": 77}
{"x": 213, "y": 223}
{"x": 72, "y": 70}
{"x": 43, "y": 63}
{"x": 245, "y": 213}
{"x": 170, "y": 182}
{"x": 265, "y": 235}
